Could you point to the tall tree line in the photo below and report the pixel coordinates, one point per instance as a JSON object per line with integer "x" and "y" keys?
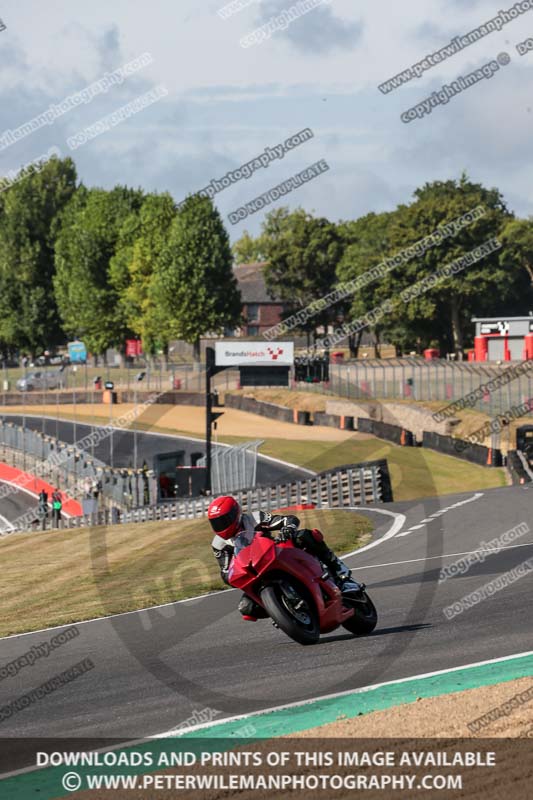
{"x": 106, "y": 265}
{"x": 306, "y": 257}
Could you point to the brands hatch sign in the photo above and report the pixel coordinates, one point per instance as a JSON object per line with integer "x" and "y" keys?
{"x": 241, "y": 354}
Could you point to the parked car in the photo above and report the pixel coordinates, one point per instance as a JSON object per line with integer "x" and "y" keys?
{"x": 43, "y": 361}
{"x": 39, "y": 381}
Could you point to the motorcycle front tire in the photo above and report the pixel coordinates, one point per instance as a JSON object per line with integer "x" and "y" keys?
{"x": 365, "y": 617}
{"x": 303, "y": 634}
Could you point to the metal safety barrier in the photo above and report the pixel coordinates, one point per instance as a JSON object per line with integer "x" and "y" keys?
{"x": 351, "y": 485}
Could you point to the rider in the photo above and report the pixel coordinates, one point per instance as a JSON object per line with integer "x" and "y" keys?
{"x": 234, "y": 530}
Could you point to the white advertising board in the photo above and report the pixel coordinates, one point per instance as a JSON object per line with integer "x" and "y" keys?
{"x": 240, "y": 353}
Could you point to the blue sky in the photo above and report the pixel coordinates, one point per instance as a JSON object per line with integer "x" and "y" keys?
{"x": 226, "y": 103}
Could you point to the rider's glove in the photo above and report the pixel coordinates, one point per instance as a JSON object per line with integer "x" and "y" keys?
{"x": 286, "y": 533}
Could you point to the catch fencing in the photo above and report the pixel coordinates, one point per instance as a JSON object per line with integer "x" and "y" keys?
{"x": 409, "y": 378}
{"x": 68, "y": 468}
{"x": 434, "y": 381}
{"x": 233, "y": 468}
{"x": 80, "y": 383}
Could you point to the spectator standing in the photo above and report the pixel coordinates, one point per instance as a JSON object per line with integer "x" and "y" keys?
{"x": 43, "y": 508}
{"x": 57, "y": 505}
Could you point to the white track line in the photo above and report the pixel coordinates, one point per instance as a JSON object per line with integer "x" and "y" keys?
{"x": 7, "y": 522}
{"x": 121, "y": 614}
{"x": 397, "y": 525}
{"x": 445, "y": 555}
{"x": 360, "y": 690}
{"x": 437, "y": 514}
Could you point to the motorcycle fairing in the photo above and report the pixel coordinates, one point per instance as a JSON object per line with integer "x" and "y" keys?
{"x": 252, "y": 564}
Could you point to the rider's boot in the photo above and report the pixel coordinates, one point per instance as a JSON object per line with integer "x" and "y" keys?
{"x": 313, "y": 542}
{"x": 342, "y": 574}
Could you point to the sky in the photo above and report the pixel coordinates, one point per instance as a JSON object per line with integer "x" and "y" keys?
{"x": 218, "y": 104}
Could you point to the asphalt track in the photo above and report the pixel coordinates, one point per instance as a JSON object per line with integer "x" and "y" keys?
{"x": 14, "y": 505}
{"x": 148, "y": 445}
{"x": 153, "y": 669}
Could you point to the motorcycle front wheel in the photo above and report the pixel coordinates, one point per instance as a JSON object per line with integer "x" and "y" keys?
{"x": 365, "y": 616}
{"x": 293, "y": 610}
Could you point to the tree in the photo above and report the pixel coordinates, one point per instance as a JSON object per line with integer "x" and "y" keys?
{"x": 194, "y": 290}
{"x": 481, "y": 288}
{"x": 154, "y": 222}
{"x": 443, "y": 312}
{"x": 517, "y": 240}
{"x": 367, "y": 244}
{"x": 302, "y": 254}
{"x": 247, "y": 250}
{"x": 87, "y": 292}
{"x": 29, "y": 212}
{"x": 142, "y": 239}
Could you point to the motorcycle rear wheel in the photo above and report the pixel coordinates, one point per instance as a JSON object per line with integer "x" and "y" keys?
{"x": 297, "y": 618}
{"x": 365, "y": 616}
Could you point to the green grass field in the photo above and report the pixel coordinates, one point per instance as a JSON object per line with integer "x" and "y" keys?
{"x": 66, "y": 576}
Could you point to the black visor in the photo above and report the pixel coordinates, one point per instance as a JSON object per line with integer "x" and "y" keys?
{"x": 222, "y": 523}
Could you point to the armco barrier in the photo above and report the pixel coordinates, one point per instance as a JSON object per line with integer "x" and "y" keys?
{"x": 271, "y": 410}
{"x": 384, "y": 430}
{"x": 517, "y": 468}
{"x": 382, "y": 466}
{"x": 284, "y": 414}
{"x": 301, "y": 417}
{"x": 476, "y": 453}
{"x": 351, "y": 485}
{"x": 169, "y": 398}
{"x": 69, "y": 397}
{"x": 333, "y": 421}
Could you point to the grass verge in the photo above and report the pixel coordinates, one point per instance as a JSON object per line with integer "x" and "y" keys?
{"x": 60, "y": 577}
{"x": 415, "y": 472}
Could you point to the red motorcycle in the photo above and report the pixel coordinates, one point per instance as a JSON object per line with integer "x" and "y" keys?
{"x": 297, "y": 593}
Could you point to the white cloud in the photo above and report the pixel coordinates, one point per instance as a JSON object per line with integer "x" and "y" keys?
{"x": 227, "y": 103}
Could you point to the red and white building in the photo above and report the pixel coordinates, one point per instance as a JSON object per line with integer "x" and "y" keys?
{"x": 499, "y": 339}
